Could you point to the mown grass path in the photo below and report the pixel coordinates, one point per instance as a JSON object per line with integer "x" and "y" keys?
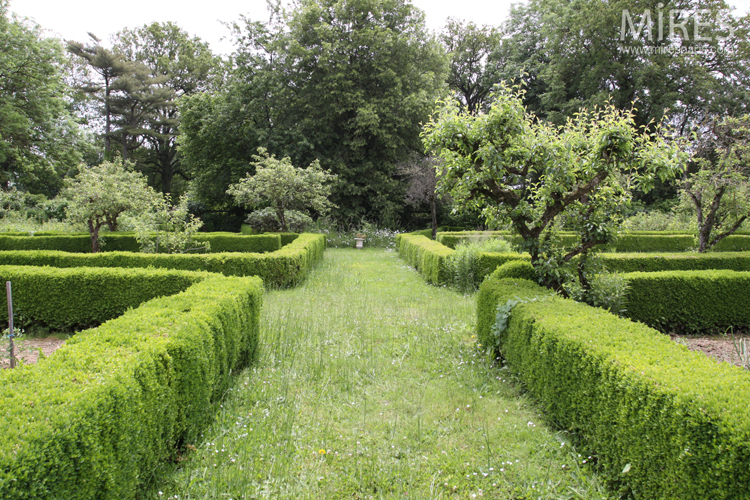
{"x": 369, "y": 384}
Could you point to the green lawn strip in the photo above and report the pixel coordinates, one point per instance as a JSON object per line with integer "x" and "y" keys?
{"x": 369, "y": 384}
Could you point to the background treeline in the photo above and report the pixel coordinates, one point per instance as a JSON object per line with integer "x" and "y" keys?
{"x": 348, "y": 83}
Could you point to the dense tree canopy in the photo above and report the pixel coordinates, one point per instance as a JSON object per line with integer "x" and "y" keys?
{"x": 39, "y": 139}
{"x": 346, "y": 82}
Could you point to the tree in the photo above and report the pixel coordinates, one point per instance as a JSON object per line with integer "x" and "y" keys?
{"x": 583, "y": 53}
{"x": 284, "y": 187}
{"x": 168, "y": 228}
{"x": 537, "y": 176}
{"x": 719, "y": 192}
{"x": 346, "y": 82}
{"x": 172, "y": 65}
{"x": 473, "y": 70}
{"x": 40, "y": 142}
{"x": 110, "y": 66}
{"x": 420, "y": 172}
{"x": 99, "y": 195}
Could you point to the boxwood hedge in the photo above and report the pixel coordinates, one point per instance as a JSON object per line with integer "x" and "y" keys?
{"x": 126, "y": 242}
{"x": 689, "y": 301}
{"x": 284, "y": 267}
{"x": 82, "y": 297}
{"x": 94, "y": 420}
{"x": 663, "y": 421}
{"x": 426, "y": 255}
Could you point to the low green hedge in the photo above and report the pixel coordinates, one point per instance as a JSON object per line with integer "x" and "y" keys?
{"x": 284, "y": 267}
{"x": 636, "y": 241}
{"x": 94, "y": 420}
{"x": 689, "y": 301}
{"x": 76, "y": 298}
{"x": 126, "y": 242}
{"x": 426, "y": 255}
{"x": 691, "y": 261}
{"x": 663, "y": 421}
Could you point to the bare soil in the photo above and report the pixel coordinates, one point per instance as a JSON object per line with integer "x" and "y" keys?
{"x": 27, "y": 350}
{"x": 721, "y": 348}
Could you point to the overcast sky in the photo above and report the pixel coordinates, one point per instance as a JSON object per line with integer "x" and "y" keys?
{"x": 72, "y": 19}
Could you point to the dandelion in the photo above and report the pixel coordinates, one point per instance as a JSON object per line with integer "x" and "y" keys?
{"x": 322, "y": 451}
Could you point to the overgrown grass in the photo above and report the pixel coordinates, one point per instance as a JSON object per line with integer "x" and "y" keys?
{"x": 18, "y": 223}
{"x": 463, "y": 265}
{"x": 370, "y": 384}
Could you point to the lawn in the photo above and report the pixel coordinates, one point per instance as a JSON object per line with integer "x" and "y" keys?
{"x": 369, "y": 384}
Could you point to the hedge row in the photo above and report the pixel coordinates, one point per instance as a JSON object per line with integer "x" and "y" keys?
{"x": 426, "y": 255}
{"x": 94, "y": 420}
{"x": 83, "y": 297}
{"x": 664, "y": 422}
{"x": 285, "y": 267}
{"x": 689, "y": 301}
{"x": 126, "y": 242}
{"x": 630, "y": 242}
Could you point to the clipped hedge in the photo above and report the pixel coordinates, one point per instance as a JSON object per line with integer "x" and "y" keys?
{"x": 126, "y": 242}
{"x": 635, "y": 241}
{"x": 82, "y": 297}
{"x": 94, "y": 420}
{"x": 426, "y": 255}
{"x": 691, "y": 261}
{"x": 285, "y": 267}
{"x": 689, "y": 300}
{"x": 663, "y": 421}
{"x": 515, "y": 269}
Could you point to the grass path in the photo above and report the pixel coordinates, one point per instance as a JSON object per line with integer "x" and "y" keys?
{"x": 369, "y": 384}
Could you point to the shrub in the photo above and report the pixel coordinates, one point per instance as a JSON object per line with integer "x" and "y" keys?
{"x": 515, "y": 269}
{"x": 285, "y": 267}
{"x": 127, "y": 242}
{"x": 463, "y": 265}
{"x": 425, "y": 255}
{"x": 663, "y": 421}
{"x": 95, "y": 419}
{"x": 689, "y": 301}
{"x": 266, "y": 220}
{"x": 83, "y": 297}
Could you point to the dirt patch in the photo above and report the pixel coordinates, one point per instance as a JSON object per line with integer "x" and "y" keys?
{"x": 27, "y": 350}
{"x": 719, "y": 348}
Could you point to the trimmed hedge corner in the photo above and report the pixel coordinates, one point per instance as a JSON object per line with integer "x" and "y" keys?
{"x": 664, "y": 422}
{"x": 94, "y": 420}
{"x": 83, "y": 297}
{"x": 285, "y": 267}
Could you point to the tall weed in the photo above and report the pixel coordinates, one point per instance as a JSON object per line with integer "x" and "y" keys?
{"x": 463, "y": 264}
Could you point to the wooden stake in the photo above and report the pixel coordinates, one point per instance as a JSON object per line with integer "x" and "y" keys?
{"x": 9, "y": 293}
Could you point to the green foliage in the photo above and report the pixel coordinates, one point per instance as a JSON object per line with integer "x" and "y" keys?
{"x": 165, "y": 228}
{"x": 127, "y": 242}
{"x": 719, "y": 192}
{"x": 284, "y": 187}
{"x": 514, "y": 269}
{"x": 658, "y": 221}
{"x": 426, "y": 256}
{"x": 651, "y": 262}
{"x": 571, "y": 57}
{"x": 632, "y": 394}
{"x": 99, "y": 195}
{"x": 351, "y": 81}
{"x": 267, "y": 220}
{"x": 39, "y": 140}
{"x": 103, "y": 412}
{"x": 689, "y": 301}
{"x": 539, "y": 177}
{"x": 463, "y": 265}
{"x": 72, "y": 299}
{"x": 281, "y": 268}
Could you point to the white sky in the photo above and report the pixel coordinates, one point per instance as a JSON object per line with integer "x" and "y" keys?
{"x": 72, "y": 19}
